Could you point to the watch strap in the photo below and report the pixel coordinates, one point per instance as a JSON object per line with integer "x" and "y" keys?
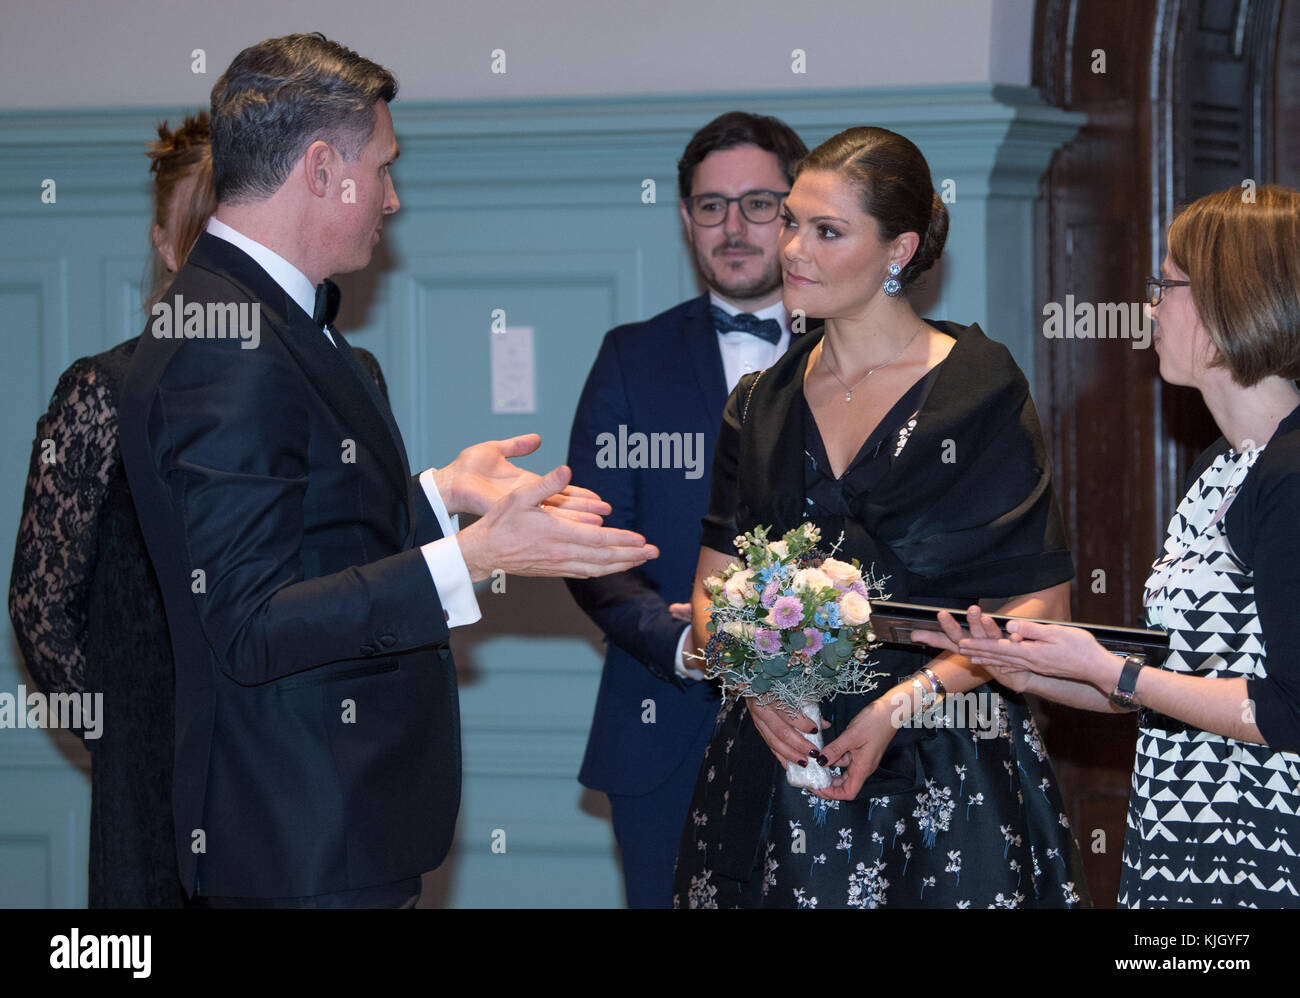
{"x": 1126, "y": 687}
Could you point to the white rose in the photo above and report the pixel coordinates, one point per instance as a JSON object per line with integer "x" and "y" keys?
{"x": 780, "y": 548}
{"x": 740, "y": 587}
{"x": 841, "y": 573}
{"x": 812, "y": 578}
{"x": 854, "y": 609}
{"x": 742, "y": 630}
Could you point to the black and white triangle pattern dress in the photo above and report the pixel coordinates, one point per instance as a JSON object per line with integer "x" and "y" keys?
{"x": 1212, "y": 821}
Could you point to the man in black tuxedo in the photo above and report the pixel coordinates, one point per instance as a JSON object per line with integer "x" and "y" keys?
{"x": 671, "y": 375}
{"x": 310, "y": 581}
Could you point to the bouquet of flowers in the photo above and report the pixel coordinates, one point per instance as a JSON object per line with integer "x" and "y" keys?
{"x": 793, "y": 627}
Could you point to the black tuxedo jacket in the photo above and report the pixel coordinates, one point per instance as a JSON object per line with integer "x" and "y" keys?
{"x": 317, "y": 726}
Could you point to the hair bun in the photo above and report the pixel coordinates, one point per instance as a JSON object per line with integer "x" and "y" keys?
{"x": 193, "y": 133}
{"x": 932, "y": 240}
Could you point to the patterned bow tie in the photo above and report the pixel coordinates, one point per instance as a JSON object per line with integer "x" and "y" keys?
{"x": 764, "y": 329}
{"x": 327, "y": 304}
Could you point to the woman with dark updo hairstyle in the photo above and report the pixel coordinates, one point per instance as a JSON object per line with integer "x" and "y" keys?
{"x": 917, "y": 442}
{"x": 83, "y": 597}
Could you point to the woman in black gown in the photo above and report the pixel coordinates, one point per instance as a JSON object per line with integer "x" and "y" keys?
{"x": 918, "y": 442}
{"x": 83, "y": 597}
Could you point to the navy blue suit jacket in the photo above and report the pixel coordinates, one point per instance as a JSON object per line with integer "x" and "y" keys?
{"x": 663, "y": 375}
{"x": 317, "y": 727}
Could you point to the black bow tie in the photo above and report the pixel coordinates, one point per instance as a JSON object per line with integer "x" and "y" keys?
{"x": 327, "y": 304}
{"x": 745, "y": 322}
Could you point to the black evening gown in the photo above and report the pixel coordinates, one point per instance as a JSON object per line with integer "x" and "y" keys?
{"x": 950, "y": 500}
{"x": 88, "y": 616}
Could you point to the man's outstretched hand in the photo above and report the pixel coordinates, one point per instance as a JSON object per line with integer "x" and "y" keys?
{"x": 523, "y": 535}
{"x": 483, "y": 475}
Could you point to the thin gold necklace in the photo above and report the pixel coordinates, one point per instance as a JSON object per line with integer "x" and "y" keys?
{"x": 848, "y": 390}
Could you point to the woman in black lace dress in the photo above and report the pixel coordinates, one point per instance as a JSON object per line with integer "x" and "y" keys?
{"x": 918, "y": 443}
{"x": 83, "y": 597}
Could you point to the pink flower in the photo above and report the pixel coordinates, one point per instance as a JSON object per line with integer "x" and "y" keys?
{"x": 814, "y": 640}
{"x": 770, "y": 593}
{"x": 787, "y": 612}
{"x": 767, "y": 642}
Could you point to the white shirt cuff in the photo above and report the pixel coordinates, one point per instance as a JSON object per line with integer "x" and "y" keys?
{"x": 450, "y": 524}
{"x": 447, "y": 564}
{"x": 683, "y": 670}
{"x": 451, "y": 579}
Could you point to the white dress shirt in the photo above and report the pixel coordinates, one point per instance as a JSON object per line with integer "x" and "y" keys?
{"x": 742, "y": 353}
{"x": 446, "y": 563}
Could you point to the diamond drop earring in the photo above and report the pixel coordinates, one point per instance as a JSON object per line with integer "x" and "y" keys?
{"x": 891, "y": 286}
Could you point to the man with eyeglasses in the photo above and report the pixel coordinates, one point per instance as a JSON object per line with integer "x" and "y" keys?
{"x": 671, "y": 375}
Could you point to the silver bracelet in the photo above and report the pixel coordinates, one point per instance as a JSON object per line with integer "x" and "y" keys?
{"x": 926, "y": 696}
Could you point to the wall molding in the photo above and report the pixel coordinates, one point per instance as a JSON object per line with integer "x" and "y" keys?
{"x": 993, "y": 140}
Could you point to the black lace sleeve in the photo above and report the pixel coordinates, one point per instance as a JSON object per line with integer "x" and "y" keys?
{"x": 73, "y": 456}
{"x": 370, "y": 365}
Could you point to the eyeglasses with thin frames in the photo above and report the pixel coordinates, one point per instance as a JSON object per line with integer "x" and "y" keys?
{"x": 758, "y": 207}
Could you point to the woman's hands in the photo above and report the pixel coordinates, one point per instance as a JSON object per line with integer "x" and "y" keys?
{"x": 1028, "y": 649}
{"x": 1016, "y": 679}
{"x": 860, "y": 747}
{"x": 784, "y": 733}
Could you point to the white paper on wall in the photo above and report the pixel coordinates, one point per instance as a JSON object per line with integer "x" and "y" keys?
{"x": 514, "y": 383}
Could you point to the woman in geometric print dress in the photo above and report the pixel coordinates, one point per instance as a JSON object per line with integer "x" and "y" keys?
{"x": 1214, "y": 811}
{"x": 960, "y": 816}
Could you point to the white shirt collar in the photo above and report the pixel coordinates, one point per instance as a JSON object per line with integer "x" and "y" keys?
{"x": 776, "y": 311}
{"x": 290, "y": 278}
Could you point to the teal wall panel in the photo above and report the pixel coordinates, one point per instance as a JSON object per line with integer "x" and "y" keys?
{"x": 534, "y": 207}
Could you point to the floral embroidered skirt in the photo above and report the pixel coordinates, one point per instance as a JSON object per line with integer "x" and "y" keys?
{"x": 977, "y": 823}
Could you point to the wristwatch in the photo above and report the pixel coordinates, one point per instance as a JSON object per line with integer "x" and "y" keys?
{"x": 1125, "y": 696}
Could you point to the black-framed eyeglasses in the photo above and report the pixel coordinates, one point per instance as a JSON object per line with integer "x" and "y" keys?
{"x": 1156, "y": 288}
{"x": 758, "y": 207}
